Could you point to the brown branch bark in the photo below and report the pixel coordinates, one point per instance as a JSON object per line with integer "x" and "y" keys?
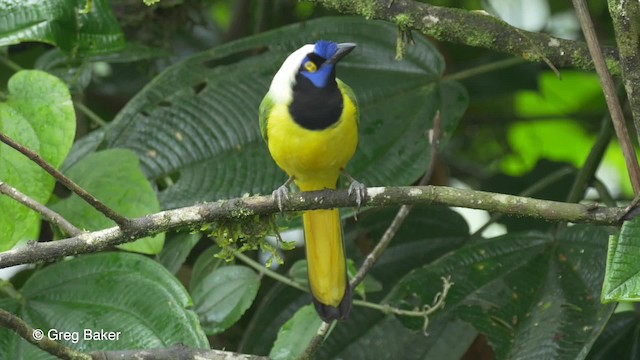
{"x": 38, "y": 338}
{"x": 48, "y": 214}
{"x": 610, "y": 94}
{"x": 68, "y": 183}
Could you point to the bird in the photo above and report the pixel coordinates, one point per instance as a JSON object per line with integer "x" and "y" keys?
{"x": 309, "y": 120}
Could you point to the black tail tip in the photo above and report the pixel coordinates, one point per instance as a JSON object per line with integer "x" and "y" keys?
{"x": 329, "y": 313}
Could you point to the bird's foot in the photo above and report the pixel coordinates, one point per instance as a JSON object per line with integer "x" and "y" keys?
{"x": 358, "y": 191}
{"x": 281, "y": 193}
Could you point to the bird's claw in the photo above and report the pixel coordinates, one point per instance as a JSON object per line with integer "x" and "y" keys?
{"x": 358, "y": 191}
{"x": 280, "y": 193}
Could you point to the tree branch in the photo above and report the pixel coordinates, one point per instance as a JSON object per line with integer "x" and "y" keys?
{"x": 38, "y": 338}
{"x": 625, "y": 15}
{"x": 610, "y": 94}
{"x": 68, "y": 183}
{"x": 315, "y": 343}
{"x": 176, "y": 352}
{"x": 239, "y": 208}
{"x": 475, "y": 28}
{"x": 48, "y": 214}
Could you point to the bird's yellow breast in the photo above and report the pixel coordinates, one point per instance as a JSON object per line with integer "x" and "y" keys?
{"x": 313, "y": 157}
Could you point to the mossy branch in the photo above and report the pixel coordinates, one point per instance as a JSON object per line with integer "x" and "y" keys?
{"x": 477, "y": 29}
{"x": 626, "y": 23}
{"x": 239, "y": 208}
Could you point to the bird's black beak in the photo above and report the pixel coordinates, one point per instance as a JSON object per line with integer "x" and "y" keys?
{"x": 343, "y": 50}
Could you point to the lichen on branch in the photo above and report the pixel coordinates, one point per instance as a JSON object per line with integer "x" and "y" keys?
{"x": 477, "y": 29}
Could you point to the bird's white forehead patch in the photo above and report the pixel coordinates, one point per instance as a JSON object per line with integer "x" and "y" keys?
{"x": 285, "y": 78}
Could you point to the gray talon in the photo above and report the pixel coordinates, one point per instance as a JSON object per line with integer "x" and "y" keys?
{"x": 358, "y": 190}
{"x": 280, "y": 193}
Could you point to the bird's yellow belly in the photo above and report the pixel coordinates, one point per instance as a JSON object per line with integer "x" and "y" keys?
{"x": 313, "y": 157}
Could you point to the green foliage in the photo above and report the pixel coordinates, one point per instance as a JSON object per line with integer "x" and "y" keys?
{"x": 191, "y": 135}
{"x": 38, "y": 114}
{"x": 63, "y": 24}
{"x": 222, "y": 296}
{"x": 532, "y": 294}
{"x": 115, "y": 292}
{"x": 243, "y": 233}
{"x": 622, "y": 281}
{"x": 102, "y": 175}
{"x": 295, "y": 334}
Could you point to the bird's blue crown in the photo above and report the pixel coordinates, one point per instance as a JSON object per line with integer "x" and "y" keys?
{"x": 325, "y": 48}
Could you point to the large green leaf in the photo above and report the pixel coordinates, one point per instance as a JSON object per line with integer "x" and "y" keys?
{"x": 355, "y": 338}
{"x": 113, "y": 176}
{"x": 38, "y": 114}
{"x": 534, "y": 295}
{"x": 61, "y": 23}
{"x": 116, "y": 292}
{"x": 198, "y": 120}
{"x": 295, "y": 334}
{"x": 622, "y": 278}
{"x": 222, "y": 296}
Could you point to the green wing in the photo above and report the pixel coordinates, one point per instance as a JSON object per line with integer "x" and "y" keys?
{"x": 351, "y": 95}
{"x": 265, "y": 108}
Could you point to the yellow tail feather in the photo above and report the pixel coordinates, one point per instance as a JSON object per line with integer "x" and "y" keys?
{"x": 325, "y": 256}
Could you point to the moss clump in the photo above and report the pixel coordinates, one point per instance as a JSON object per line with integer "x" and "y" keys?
{"x": 245, "y": 231}
{"x": 404, "y": 21}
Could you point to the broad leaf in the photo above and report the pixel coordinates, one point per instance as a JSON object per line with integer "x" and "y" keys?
{"x": 113, "y": 292}
{"x": 38, "y": 114}
{"x": 205, "y": 264}
{"x": 113, "y": 176}
{"x": 61, "y": 23}
{"x": 622, "y": 278}
{"x": 222, "y": 296}
{"x": 203, "y": 111}
{"x": 295, "y": 334}
{"x": 532, "y": 294}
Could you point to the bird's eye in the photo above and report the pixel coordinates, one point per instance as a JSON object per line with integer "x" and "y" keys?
{"x": 310, "y": 66}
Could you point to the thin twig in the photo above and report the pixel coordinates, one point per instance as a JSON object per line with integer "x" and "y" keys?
{"x": 48, "y": 214}
{"x": 387, "y": 309}
{"x": 609, "y": 93}
{"x": 483, "y": 69}
{"x": 10, "y": 63}
{"x": 315, "y": 343}
{"x": 38, "y": 338}
{"x": 270, "y": 273}
{"x": 90, "y": 114}
{"x": 90, "y": 199}
{"x": 438, "y": 303}
{"x": 403, "y": 212}
{"x": 531, "y": 190}
{"x": 591, "y": 164}
{"x": 603, "y": 192}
